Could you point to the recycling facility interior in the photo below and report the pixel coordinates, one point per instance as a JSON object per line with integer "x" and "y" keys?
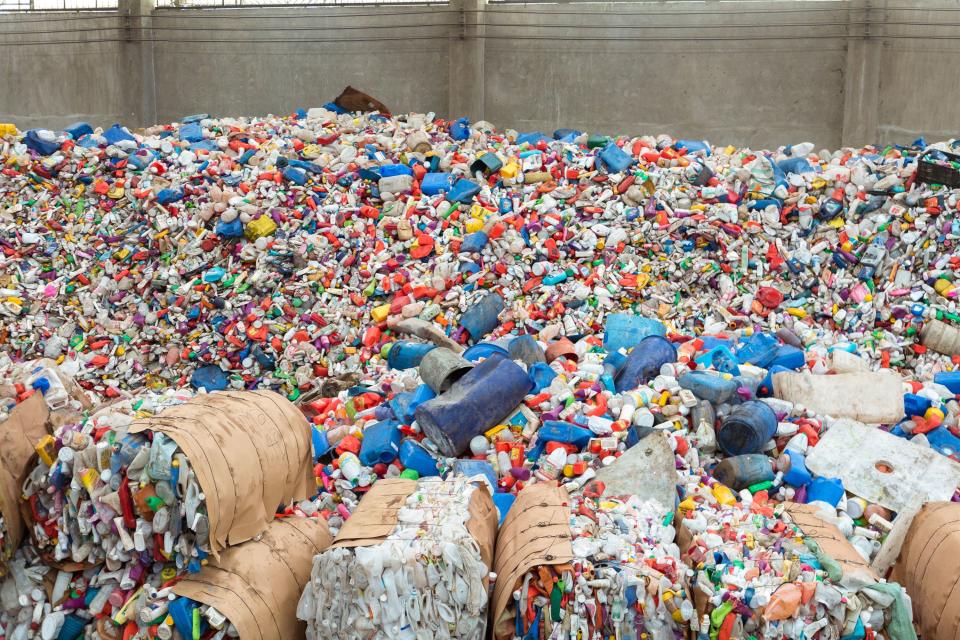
{"x": 744, "y": 73}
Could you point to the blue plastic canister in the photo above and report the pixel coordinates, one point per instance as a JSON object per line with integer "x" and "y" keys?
{"x": 381, "y": 443}
{"x": 434, "y": 183}
{"x": 798, "y": 475}
{"x": 829, "y": 490}
{"x": 644, "y": 362}
{"x": 721, "y": 359}
{"x": 943, "y": 441}
{"x": 116, "y": 134}
{"x": 559, "y": 431}
{"x": 209, "y": 377}
{"x": 481, "y": 318}
{"x": 789, "y": 357}
{"x": 914, "y": 405}
{"x": 460, "y": 129}
{"x": 614, "y": 159}
{"x": 949, "y": 379}
{"x": 407, "y": 354}
{"x": 463, "y": 191}
{"x": 404, "y": 405}
{"x": 625, "y": 330}
{"x": 759, "y": 349}
{"x": 479, "y": 400}
{"x": 414, "y": 456}
{"x": 739, "y": 472}
{"x": 474, "y": 242}
{"x": 78, "y": 129}
{"x": 747, "y": 429}
{"x": 707, "y": 386}
{"x": 192, "y": 132}
{"x": 541, "y": 375}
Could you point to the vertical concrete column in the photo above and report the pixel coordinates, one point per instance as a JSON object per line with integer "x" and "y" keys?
{"x": 465, "y": 87}
{"x": 861, "y": 79}
{"x": 140, "y": 104}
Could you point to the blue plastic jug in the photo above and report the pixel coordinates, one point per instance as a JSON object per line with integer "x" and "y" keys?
{"x": 625, "y": 330}
{"x": 413, "y": 456}
{"x": 463, "y": 191}
{"x": 759, "y": 349}
{"x": 391, "y": 170}
{"x": 644, "y": 362}
{"x": 692, "y": 146}
{"x": 482, "y": 317}
{"x": 747, "y": 429}
{"x": 481, "y": 399}
{"x": 943, "y": 441}
{"x": 209, "y": 377}
{"x": 829, "y": 490}
{"x": 708, "y": 386}
{"x": 559, "y": 431}
{"x": 407, "y": 354}
{"x": 192, "y": 132}
{"x": 798, "y": 475}
{"x": 116, "y": 134}
{"x": 474, "y": 242}
{"x": 721, "y": 359}
{"x": 404, "y": 405}
{"x": 914, "y": 405}
{"x": 381, "y": 443}
{"x": 460, "y": 129}
{"x": 788, "y": 357}
{"x": 434, "y": 183}
{"x": 795, "y": 165}
{"x": 78, "y": 129}
{"x": 613, "y": 159}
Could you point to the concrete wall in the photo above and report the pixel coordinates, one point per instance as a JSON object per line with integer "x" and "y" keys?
{"x": 742, "y": 72}
{"x": 48, "y": 78}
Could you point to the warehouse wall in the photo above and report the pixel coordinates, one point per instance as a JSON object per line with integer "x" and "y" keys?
{"x": 756, "y": 73}
{"x": 52, "y": 85}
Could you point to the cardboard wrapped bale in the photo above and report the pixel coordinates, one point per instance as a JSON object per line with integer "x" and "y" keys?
{"x": 19, "y": 434}
{"x": 253, "y": 587}
{"x": 929, "y": 568}
{"x": 413, "y": 559}
{"x": 587, "y": 564}
{"x": 199, "y": 474}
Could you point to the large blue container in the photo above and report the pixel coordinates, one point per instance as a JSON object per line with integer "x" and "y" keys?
{"x": 407, "y": 354}
{"x": 391, "y": 170}
{"x": 949, "y": 379}
{"x": 526, "y": 349}
{"x": 721, "y": 359}
{"x": 479, "y": 400}
{"x": 829, "y": 490}
{"x": 414, "y": 456}
{"x": 625, "y": 330}
{"x": 559, "y": 431}
{"x": 739, "y": 472}
{"x": 192, "y": 132}
{"x": 759, "y": 349}
{"x": 460, "y": 129}
{"x": 381, "y": 443}
{"x": 708, "y": 386}
{"x": 463, "y": 191}
{"x": 116, "y": 134}
{"x": 747, "y": 429}
{"x": 644, "y": 362}
{"x": 434, "y": 183}
{"x": 482, "y": 318}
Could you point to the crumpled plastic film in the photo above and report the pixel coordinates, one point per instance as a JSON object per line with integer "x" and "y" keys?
{"x": 140, "y": 481}
{"x": 408, "y": 564}
{"x": 589, "y": 566}
{"x": 761, "y": 569}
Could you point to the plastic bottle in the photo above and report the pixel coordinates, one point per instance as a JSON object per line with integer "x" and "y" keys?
{"x": 941, "y": 337}
{"x": 482, "y": 317}
{"x": 708, "y": 386}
